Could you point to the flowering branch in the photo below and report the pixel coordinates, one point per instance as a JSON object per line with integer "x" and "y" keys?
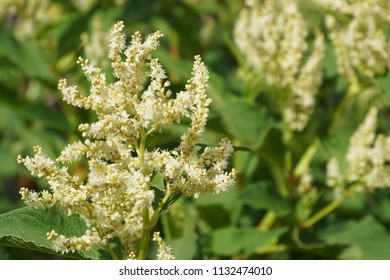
{"x": 116, "y": 198}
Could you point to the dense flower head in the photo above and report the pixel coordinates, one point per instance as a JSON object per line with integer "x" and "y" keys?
{"x": 164, "y": 252}
{"x": 29, "y": 14}
{"x": 367, "y": 160}
{"x": 272, "y": 36}
{"x": 28, "y": 17}
{"x": 120, "y": 167}
{"x": 360, "y": 43}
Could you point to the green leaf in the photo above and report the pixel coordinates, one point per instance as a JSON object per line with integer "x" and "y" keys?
{"x": 73, "y": 26}
{"x": 158, "y": 181}
{"x": 384, "y": 84}
{"x": 330, "y": 63}
{"x": 261, "y": 196}
{"x": 27, "y": 228}
{"x": 8, "y": 163}
{"x": 246, "y": 122}
{"x": 215, "y": 216}
{"x": 231, "y": 241}
{"x": 217, "y": 211}
{"x": 184, "y": 248}
{"x": 26, "y": 55}
{"x": 174, "y": 66}
{"x": 172, "y": 199}
{"x": 367, "y": 239}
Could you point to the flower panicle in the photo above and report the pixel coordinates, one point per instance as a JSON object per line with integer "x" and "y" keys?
{"x": 272, "y": 38}
{"x": 116, "y": 191}
{"x": 367, "y": 160}
{"x": 164, "y": 252}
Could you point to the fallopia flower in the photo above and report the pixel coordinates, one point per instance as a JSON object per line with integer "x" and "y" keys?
{"x": 118, "y": 192}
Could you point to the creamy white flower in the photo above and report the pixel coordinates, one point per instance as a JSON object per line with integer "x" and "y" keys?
{"x": 164, "y": 252}
{"x": 367, "y": 159}
{"x": 29, "y": 15}
{"x": 361, "y": 44}
{"x": 113, "y": 198}
{"x": 272, "y": 37}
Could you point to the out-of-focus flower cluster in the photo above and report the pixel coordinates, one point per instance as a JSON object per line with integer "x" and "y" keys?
{"x": 357, "y": 30}
{"x": 117, "y": 192}
{"x": 367, "y": 161}
{"x": 25, "y": 15}
{"x": 272, "y": 38}
{"x": 95, "y": 44}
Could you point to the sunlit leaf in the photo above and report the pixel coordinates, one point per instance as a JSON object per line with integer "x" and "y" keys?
{"x": 27, "y": 228}
{"x": 260, "y": 195}
{"x": 231, "y": 241}
{"x": 246, "y": 122}
{"x": 367, "y": 239}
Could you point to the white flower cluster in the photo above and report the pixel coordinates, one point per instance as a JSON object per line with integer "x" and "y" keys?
{"x": 113, "y": 199}
{"x": 27, "y": 15}
{"x": 95, "y": 44}
{"x": 367, "y": 161}
{"x": 272, "y": 37}
{"x": 164, "y": 252}
{"x": 360, "y": 41}
{"x": 305, "y": 186}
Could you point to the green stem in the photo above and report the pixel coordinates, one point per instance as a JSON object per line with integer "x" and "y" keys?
{"x": 352, "y": 90}
{"x": 111, "y": 252}
{"x": 266, "y": 249}
{"x": 143, "y": 247}
{"x": 149, "y": 223}
{"x": 305, "y": 160}
{"x": 267, "y": 221}
{"x": 141, "y": 150}
{"x": 252, "y": 88}
{"x": 272, "y": 249}
{"x": 166, "y": 226}
{"x": 277, "y": 173}
{"x": 320, "y": 214}
{"x": 161, "y": 206}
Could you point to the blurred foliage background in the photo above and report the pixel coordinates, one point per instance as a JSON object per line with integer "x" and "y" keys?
{"x": 39, "y": 44}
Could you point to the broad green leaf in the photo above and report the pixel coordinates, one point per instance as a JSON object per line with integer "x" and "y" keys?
{"x": 354, "y": 206}
{"x": 261, "y": 196}
{"x": 27, "y": 228}
{"x": 231, "y": 241}
{"x": 246, "y": 122}
{"x": 384, "y": 83}
{"x": 227, "y": 199}
{"x": 158, "y": 181}
{"x": 173, "y": 65}
{"x": 26, "y": 55}
{"x": 8, "y": 164}
{"x": 383, "y": 208}
{"x": 184, "y": 248}
{"x": 44, "y": 116}
{"x": 367, "y": 239}
{"x": 329, "y": 62}
{"x": 217, "y": 211}
{"x": 73, "y": 27}
{"x": 215, "y": 216}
